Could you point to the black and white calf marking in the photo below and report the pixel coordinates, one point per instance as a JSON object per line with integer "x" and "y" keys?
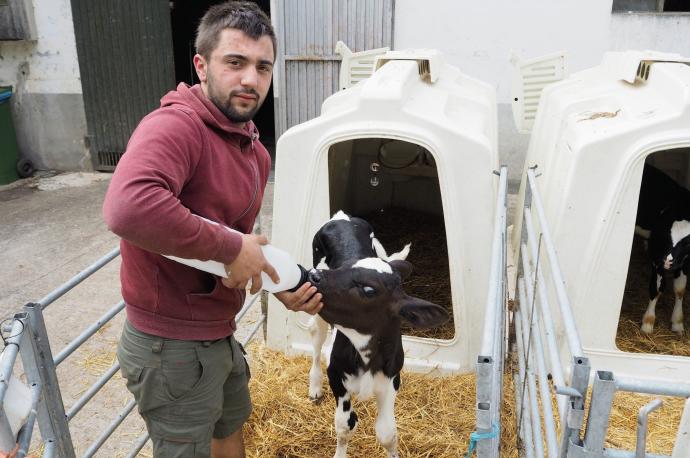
{"x": 364, "y": 300}
{"x": 663, "y": 217}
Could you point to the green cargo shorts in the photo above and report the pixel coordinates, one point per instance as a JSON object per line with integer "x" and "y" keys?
{"x": 187, "y": 391}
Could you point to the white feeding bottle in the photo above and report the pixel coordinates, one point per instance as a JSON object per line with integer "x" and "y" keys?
{"x": 292, "y": 275}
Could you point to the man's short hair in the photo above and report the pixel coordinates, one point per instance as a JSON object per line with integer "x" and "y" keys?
{"x": 240, "y": 15}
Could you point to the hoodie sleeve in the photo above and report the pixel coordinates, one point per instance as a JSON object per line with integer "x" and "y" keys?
{"x": 142, "y": 203}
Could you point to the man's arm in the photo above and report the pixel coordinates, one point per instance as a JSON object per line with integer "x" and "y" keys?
{"x": 142, "y": 203}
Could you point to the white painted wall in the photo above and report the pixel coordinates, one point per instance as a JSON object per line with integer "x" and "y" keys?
{"x": 478, "y": 37}
{"x": 49, "y": 64}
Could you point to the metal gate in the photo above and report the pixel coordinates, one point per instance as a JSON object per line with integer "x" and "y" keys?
{"x": 549, "y": 350}
{"x": 27, "y": 337}
{"x": 307, "y": 68}
{"x": 125, "y": 64}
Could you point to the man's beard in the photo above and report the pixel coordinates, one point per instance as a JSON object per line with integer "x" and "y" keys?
{"x": 226, "y": 107}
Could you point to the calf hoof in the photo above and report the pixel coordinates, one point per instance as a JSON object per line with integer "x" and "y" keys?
{"x": 678, "y": 328}
{"x": 315, "y": 394}
{"x": 316, "y": 400}
{"x": 647, "y": 328}
{"x": 648, "y": 324}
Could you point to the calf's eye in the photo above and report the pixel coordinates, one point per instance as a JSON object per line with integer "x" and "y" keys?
{"x": 368, "y": 291}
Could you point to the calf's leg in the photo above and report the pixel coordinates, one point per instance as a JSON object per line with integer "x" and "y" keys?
{"x": 345, "y": 417}
{"x": 679, "y": 283}
{"x": 656, "y": 284}
{"x": 386, "y": 429}
{"x": 318, "y": 329}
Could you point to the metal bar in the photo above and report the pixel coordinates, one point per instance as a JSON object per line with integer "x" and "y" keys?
{"x": 544, "y": 392}
{"x": 521, "y": 315}
{"x": 499, "y": 331}
{"x": 572, "y": 334}
{"x": 682, "y": 445}
{"x": 524, "y": 420}
{"x": 642, "y": 422}
{"x": 246, "y": 307}
{"x": 95, "y": 388}
{"x": 489, "y": 363}
{"x": 9, "y": 356}
{"x": 88, "y": 332}
{"x": 603, "y": 392}
{"x": 544, "y": 305}
{"x": 483, "y": 401}
{"x": 109, "y": 430}
{"x": 256, "y": 327}
{"x": 24, "y": 438}
{"x": 549, "y": 332}
{"x": 490, "y": 318}
{"x": 653, "y": 387}
{"x": 50, "y": 449}
{"x": 80, "y": 277}
{"x": 138, "y": 445}
{"x": 38, "y": 362}
{"x": 33, "y": 376}
{"x": 546, "y": 320}
{"x": 575, "y": 411}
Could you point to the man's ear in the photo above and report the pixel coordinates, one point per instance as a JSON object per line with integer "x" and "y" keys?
{"x": 403, "y": 268}
{"x": 201, "y": 67}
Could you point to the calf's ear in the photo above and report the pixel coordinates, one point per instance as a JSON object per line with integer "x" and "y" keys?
{"x": 422, "y": 314}
{"x": 318, "y": 249}
{"x": 403, "y": 268}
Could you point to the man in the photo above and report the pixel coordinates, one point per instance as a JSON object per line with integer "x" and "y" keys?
{"x": 198, "y": 154}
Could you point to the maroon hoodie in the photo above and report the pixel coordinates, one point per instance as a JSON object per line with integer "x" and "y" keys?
{"x": 184, "y": 158}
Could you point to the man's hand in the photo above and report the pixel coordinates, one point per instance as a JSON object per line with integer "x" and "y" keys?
{"x": 305, "y": 299}
{"x": 249, "y": 264}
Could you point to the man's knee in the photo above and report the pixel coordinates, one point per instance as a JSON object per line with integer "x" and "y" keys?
{"x": 231, "y": 446}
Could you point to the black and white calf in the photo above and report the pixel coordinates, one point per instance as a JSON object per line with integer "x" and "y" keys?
{"x": 364, "y": 300}
{"x": 663, "y": 217}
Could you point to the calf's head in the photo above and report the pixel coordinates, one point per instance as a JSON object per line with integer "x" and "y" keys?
{"x": 342, "y": 237}
{"x": 368, "y": 294}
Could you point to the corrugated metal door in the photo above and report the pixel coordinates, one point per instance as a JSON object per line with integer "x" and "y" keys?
{"x": 307, "y": 68}
{"x": 126, "y": 65}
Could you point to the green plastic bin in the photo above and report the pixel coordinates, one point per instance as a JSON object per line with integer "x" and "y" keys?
{"x": 9, "y": 152}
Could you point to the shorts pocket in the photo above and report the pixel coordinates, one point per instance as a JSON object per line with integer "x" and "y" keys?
{"x": 182, "y": 372}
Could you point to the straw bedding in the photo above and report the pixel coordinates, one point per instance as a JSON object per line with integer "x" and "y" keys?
{"x": 430, "y": 279}
{"x": 635, "y": 299}
{"x": 435, "y": 415}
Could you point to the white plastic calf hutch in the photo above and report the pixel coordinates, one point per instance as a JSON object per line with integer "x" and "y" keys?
{"x": 592, "y": 135}
{"x": 417, "y": 135}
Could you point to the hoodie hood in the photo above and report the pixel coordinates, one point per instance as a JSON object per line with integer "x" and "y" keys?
{"x": 194, "y": 98}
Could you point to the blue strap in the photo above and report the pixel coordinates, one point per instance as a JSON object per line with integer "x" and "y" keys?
{"x": 5, "y": 95}
{"x": 476, "y": 437}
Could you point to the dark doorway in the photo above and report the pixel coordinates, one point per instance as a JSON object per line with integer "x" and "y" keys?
{"x": 184, "y": 17}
